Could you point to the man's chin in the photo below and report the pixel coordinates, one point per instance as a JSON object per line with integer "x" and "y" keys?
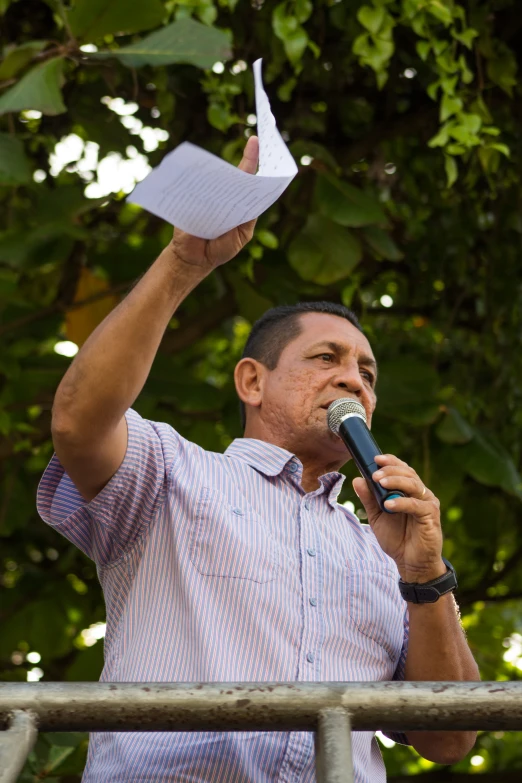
{"x": 334, "y": 445}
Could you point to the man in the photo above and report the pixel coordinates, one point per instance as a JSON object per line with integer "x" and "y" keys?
{"x": 243, "y": 566}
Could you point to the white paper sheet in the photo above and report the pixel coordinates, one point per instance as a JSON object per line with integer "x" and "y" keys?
{"x": 206, "y": 196}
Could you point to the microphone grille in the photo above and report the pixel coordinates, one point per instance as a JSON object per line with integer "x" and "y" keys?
{"x": 338, "y": 409}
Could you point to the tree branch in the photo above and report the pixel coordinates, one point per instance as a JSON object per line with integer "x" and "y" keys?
{"x": 60, "y": 306}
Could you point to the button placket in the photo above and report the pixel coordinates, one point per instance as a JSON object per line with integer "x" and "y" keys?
{"x": 312, "y": 574}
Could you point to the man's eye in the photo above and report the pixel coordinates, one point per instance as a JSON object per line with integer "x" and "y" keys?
{"x": 369, "y": 376}
{"x": 327, "y": 357}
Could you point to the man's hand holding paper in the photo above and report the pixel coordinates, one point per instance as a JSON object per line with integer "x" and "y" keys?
{"x": 210, "y": 253}
{"x": 207, "y": 197}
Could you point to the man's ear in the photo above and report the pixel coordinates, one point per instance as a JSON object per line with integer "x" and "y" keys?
{"x": 248, "y": 377}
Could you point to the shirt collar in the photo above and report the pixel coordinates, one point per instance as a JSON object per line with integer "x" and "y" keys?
{"x": 273, "y": 460}
{"x": 264, "y": 457}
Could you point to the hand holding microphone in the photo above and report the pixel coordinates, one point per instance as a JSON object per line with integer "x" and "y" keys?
{"x": 412, "y": 535}
{"x": 347, "y": 418}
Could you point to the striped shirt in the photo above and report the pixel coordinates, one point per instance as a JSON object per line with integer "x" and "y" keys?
{"x": 220, "y": 567}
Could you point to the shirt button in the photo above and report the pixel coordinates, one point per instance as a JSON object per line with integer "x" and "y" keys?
{"x": 307, "y": 505}
{"x": 313, "y": 601}
{"x": 310, "y": 658}
{"x": 238, "y": 511}
{"x": 311, "y": 551}
{"x": 293, "y": 467}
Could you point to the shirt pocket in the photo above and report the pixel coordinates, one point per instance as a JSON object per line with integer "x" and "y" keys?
{"x": 375, "y": 605}
{"x": 229, "y": 539}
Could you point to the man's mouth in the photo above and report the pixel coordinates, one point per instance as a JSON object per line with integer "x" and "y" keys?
{"x": 327, "y": 405}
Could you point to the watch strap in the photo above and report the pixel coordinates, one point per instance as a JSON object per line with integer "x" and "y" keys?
{"x": 429, "y": 592}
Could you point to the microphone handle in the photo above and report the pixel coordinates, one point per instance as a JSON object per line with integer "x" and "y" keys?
{"x": 362, "y": 446}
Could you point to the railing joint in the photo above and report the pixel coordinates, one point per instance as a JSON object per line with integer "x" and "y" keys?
{"x": 333, "y": 751}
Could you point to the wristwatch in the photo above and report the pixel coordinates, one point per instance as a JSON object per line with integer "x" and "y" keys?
{"x": 429, "y": 592}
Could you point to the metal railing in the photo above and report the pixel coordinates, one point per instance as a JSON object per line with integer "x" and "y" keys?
{"x": 331, "y": 710}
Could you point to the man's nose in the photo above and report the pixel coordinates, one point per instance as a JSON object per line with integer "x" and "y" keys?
{"x": 349, "y": 378}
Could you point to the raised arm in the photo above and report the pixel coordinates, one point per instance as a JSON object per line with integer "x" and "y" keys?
{"x": 88, "y": 424}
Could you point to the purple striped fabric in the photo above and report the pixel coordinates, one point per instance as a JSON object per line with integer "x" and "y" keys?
{"x": 219, "y": 567}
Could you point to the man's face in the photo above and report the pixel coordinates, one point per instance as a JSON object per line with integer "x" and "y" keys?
{"x": 330, "y": 359}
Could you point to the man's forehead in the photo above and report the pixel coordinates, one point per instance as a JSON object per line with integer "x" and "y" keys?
{"x": 317, "y": 328}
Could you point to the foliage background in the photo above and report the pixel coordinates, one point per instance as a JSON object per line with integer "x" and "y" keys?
{"x": 404, "y": 116}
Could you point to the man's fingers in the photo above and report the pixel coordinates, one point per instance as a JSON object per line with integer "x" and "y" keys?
{"x": 413, "y": 487}
{"x": 250, "y": 156}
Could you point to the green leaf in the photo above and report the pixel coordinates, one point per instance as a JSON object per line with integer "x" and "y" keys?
{"x": 323, "y": 252}
{"x": 489, "y": 159}
{"x": 345, "y": 204}
{"x": 267, "y": 238}
{"x": 491, "y": 130}
{"x": 503, "y": 148}
{"x": 423, "y": 49}
{"x": 361, "y": 45}
{"x": 303, "y": 10}
{"x": 219, "y": 116}
{"x": 466, "y": 37}
{"x": 295, "y": 45}
{"x": 447, "y": 474}
{"x": 87, "y": 665}
{"x": 382, "y": 243}
{"x": 184, "y": 41}
{"x": 14, "y": 166}
{"x": 449, "y": 106}
{"x": 440, "y": 11}
{"x": 93, "y": 19}
{"x": 502, "y": 71}
{"x": 471, "y": 122}
{"x": 57, "y": 756}
{"x": 486, "y": 460}
{"x": 251, "y": 303}
{"x": 451, "y": 168}
{"x": 433, "y": 89}
{"x": 284, "y": 24}
{"x": 39, "y": 90}
{"x": 407, "y": 390}
{"x": 18, "y": 58}
{"x": 288, "y": 29}
{"x": 371, "y": 18}
{"x": 441, "y": 138}
{"x": 453, "y": 428}
{"x": 74, "y": 763}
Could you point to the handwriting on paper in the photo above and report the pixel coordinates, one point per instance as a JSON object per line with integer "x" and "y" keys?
{"x": 206, "y": 196}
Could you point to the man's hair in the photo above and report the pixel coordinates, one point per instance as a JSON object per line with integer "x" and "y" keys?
{"x": 277, "y": 328}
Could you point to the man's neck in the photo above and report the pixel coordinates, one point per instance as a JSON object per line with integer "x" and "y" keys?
{"x": 314, "y": 465}
{"x": 313, "y": 470}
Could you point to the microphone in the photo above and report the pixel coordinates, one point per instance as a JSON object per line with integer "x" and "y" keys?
{"x": 347, "y": 419}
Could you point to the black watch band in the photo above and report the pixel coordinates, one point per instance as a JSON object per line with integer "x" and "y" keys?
{"x": 429, "y": 592}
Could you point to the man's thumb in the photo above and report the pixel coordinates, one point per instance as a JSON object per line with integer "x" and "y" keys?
{"x": 250, "y": 156}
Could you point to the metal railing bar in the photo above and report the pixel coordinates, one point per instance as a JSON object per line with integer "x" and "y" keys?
{"x": 333, "y": 747}
{"x": 16, "y": 744}
{"x": 391, "y": 706}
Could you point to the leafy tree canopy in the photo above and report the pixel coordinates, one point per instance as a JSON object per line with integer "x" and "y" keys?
{"x": 404, "y": 117}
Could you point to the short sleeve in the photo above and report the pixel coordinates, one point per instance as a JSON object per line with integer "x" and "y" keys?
{"x": 399, "y": 674}
{"x": 126, "y": 507}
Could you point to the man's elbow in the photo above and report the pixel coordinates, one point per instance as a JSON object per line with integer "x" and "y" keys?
{"x": 443, "y": 747}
